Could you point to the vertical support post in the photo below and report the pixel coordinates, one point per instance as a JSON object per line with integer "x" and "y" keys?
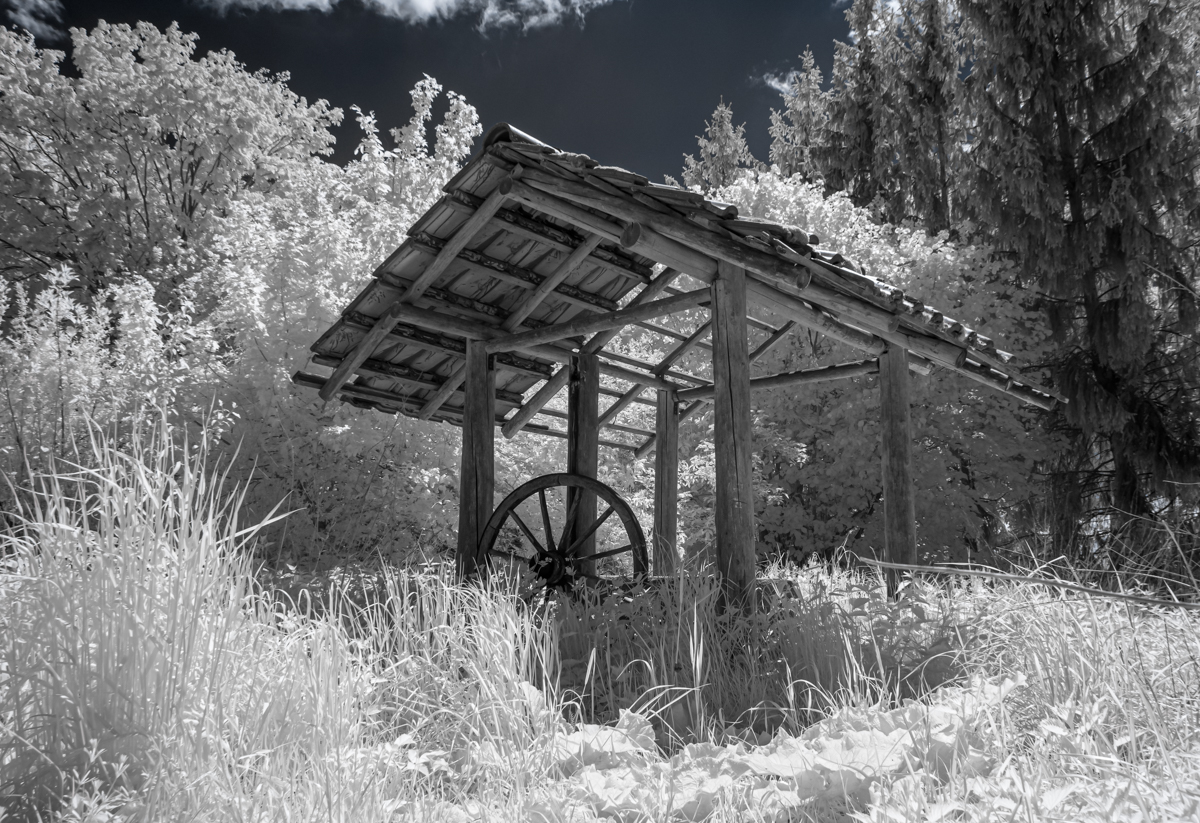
{"x": 478, "y": 467}
{"x": 583, "y": 446}
{"x": 666, "y": 482}
{"x": 733, "y": 440}
{"x": 899, "y": 514}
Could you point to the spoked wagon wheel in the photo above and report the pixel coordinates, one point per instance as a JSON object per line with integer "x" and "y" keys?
{"x": 529, "y": 534}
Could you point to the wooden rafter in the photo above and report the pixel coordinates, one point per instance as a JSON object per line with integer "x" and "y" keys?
{"x": 593, "y": 323}
{"x": 390, "y": 318}
{"x": 556, "y": 383}
{"x": 513, "y": 322}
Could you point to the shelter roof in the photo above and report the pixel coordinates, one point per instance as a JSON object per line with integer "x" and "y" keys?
{"x": 528, "y": 238}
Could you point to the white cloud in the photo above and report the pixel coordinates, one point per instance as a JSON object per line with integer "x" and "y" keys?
{"x": 38, "y": 17}
{"x": 781, "y": 83}
{"x": 528, "y": 14}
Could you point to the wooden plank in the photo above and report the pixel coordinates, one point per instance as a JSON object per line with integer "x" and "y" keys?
{"x": 733, "y": 440}
{"x": 388, "y": 320}
{"x": 410, "y": 376}
{"x": 592, "y": 323}
{"x": 513, "y": 322}
{"x": 666, "y": 484}
{"x": 583, "y": 433}
{"x": 477, "y": 473}
{"x": 432, "y": 340}
{"x": 556, "y": 383}
{"x": 482, "y": 264}
{"x": 899, "y": 513}
{"x": 552, "y": 235}
{"x": 842, "y": 371}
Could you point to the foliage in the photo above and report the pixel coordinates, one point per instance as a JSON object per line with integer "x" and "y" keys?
{"x": 121, "y": 170}
{"x": 175, "y": 237}
{"x": 723, "y": 152}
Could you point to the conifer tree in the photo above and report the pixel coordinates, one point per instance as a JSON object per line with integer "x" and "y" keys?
{"x": 1082, "y": 165}
{"x": 927, "y": 59}
{"x": 723, "y": 152}
{"x": 849, "y": 160}
{"x": 798, "y": 132}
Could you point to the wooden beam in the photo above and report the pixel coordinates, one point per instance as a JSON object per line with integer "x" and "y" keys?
{"x": 690, "y": 341}
{"x": 428, "y": 337}
{"x": 388, "y": 320}
{"x": 558, "y": 381}
{"x": 513, "y": 322}
{"x": 772, "y": 340}
{"x": 717, "y": 245}
{"x": 583, "y": 432}
{"x": 899, "y": 514}
{"x": 519, "y": 276}
{"x": 734, "y": 443}
{"x": 411, "y": 376}
{"x": 559, "y": 415}
{"x": 549, "y": 234}
{"x": 477, "y": 474}
{"x": 543, "y": 431}
{"x": 842, "y": 371}
{"x": 679, "y": 243}
{"x": 666, "y": 484}
{"x": 592, "y": 323}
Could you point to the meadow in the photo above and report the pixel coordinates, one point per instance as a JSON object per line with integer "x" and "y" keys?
{"x": 149, "y": 671}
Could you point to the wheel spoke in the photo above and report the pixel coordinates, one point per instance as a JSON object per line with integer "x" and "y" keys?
{"x": 579, "y": 541}
{"x": 546, "y": 520}
{"x": 610, "y": 552}
{"x": 528, "y": 533}
{"x": 569, "y": 526}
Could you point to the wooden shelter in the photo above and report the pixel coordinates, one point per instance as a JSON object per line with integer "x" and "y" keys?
{"x": 510, "y": 287}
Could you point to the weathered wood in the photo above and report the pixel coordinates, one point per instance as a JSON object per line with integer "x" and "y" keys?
{"x": 843, "y": 371}
{"x": 583, "y": 433}
{"x": 477, "y": 475}
{"x": 734, "y": 444}
{"x": 899, "y": 514}
{"x": 552, "y": 235}
{"x": 592, "y": 323}
{"x": 513, "y": 322}
{"x": 410, "y": 376}
{"x": 666, "y": 484}
{"x": 446, "y": 343}
{"x": 543, "y": 431}
{"x": 694, "y": 408}
{"x": 617, "y": 427}
{"x": 714, "y": 244}
{"x": 521, "y": 277}
{"x": 388, "y": 320}
{"x": 689, "y": 342}
{"x": 556, "y": 383}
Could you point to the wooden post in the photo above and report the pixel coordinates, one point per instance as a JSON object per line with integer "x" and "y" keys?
{"x": 583, "y": 444}
{"x": 733, "y": 440}
{"x": 666, "y": 483}
{"x": 477, "y": 475}
{"x": 900, "y": 531}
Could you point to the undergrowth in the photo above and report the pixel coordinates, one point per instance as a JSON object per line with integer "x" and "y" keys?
{"x": 147, "y": 672}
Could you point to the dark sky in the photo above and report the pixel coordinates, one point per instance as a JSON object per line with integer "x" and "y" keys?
{"x": 631, "y": 86}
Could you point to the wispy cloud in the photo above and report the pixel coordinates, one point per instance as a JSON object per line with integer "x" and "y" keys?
{"x": 493, "y": 14}
{"x": 781, "y": 83}
{"x": 41, "y": 18}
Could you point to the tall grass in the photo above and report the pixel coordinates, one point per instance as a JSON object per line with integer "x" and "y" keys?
{"x": 146, "y": 673}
